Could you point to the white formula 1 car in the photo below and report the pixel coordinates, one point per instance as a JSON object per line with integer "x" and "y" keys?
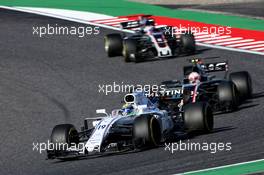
{"x": 149, "y": 41}
{"x": 139, "y": 124}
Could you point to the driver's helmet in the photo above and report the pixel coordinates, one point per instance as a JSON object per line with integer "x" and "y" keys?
{"x": 142, "y": 20}
{"x": 127, "y": 109}
{"x": 150, "y": 22}
{"x": 149, "y": 29}
{"x": 194, "y": 77}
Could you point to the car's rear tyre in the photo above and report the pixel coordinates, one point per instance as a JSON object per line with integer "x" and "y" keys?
{"x": 227, "y": 95}
{"x": 130, "y": 51}
{"x": 146, "y": 131}
{"x": 64, "y": 134}
{"x": 187, "y": 43}
{"x": 113, "y": 44}
{"x": 198, "y": 117}
{"x": 243, "y": 83}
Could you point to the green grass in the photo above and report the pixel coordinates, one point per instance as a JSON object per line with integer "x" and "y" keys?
{"x": 246, "y": 168}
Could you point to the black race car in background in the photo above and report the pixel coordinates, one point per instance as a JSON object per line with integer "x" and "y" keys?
{"x": 222, "y": 94}
{"x": 148, "y": 41}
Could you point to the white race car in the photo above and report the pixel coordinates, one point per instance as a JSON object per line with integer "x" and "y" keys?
{"x": 139, "y": 124}
{"x": 148, "y": 41}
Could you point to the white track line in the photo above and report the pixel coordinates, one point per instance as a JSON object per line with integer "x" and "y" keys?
{"x": 244, "y": 44}
{"x": 78, "y": 20}
{"x": 114, "y": 19}
{"x": 235, "y": 42}
{"x": 223, "y": 40}
{"x": 250, "y": 47}
{"x": 111, "y": 23}
{"x": 116, "y": 25}
{"x": 258, "y": 49}
{"x": 214, "y": 38}
{"x": 230, "y": 48}
{"x": 201, "y": 33}
{"x": 205, "y": 36}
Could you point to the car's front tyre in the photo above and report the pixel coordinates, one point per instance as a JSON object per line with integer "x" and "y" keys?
{"x": 146, "y": 131}
{"x": 130, "y": 51}
{"x": 64, "y": 135}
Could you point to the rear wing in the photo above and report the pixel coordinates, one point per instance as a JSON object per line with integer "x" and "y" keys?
{"x": 214, "y": 67}
{"x": 130, "y": 24}
{"x": 136, "y": 23}
{"x": 199, "y": 67}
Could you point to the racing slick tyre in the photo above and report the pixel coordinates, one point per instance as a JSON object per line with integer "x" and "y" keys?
{"x": 64, "y": 134}
{"x": 198, "y": 117}
{"x": 243, "y": 83}
{"x": 146, "y": 131}
{"x": 113, "y": 44}
{"x": 130, "y": 51}
{"x": 187, "y": 43}
{"x": 227, "y": 95}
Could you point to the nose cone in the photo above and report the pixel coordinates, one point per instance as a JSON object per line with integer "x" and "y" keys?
{"x": 90, "y": 148}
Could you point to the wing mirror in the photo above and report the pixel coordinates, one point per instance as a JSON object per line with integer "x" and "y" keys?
{"x": 101, "y": 111}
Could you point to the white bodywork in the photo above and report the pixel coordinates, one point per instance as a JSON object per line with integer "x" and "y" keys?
{"x": 142, "y": 105}
{"x": 157, "y": 38}
{"x": 100, "y": 131}
{"x": 162, "y": 51}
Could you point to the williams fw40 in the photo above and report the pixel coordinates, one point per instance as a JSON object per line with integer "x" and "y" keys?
{"x": 223, "y": 94}
{"x": 148, "y": 41}
{"x": 139, "y": 124}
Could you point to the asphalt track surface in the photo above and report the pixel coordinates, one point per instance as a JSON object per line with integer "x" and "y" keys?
{"x": 52, "y": 80}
